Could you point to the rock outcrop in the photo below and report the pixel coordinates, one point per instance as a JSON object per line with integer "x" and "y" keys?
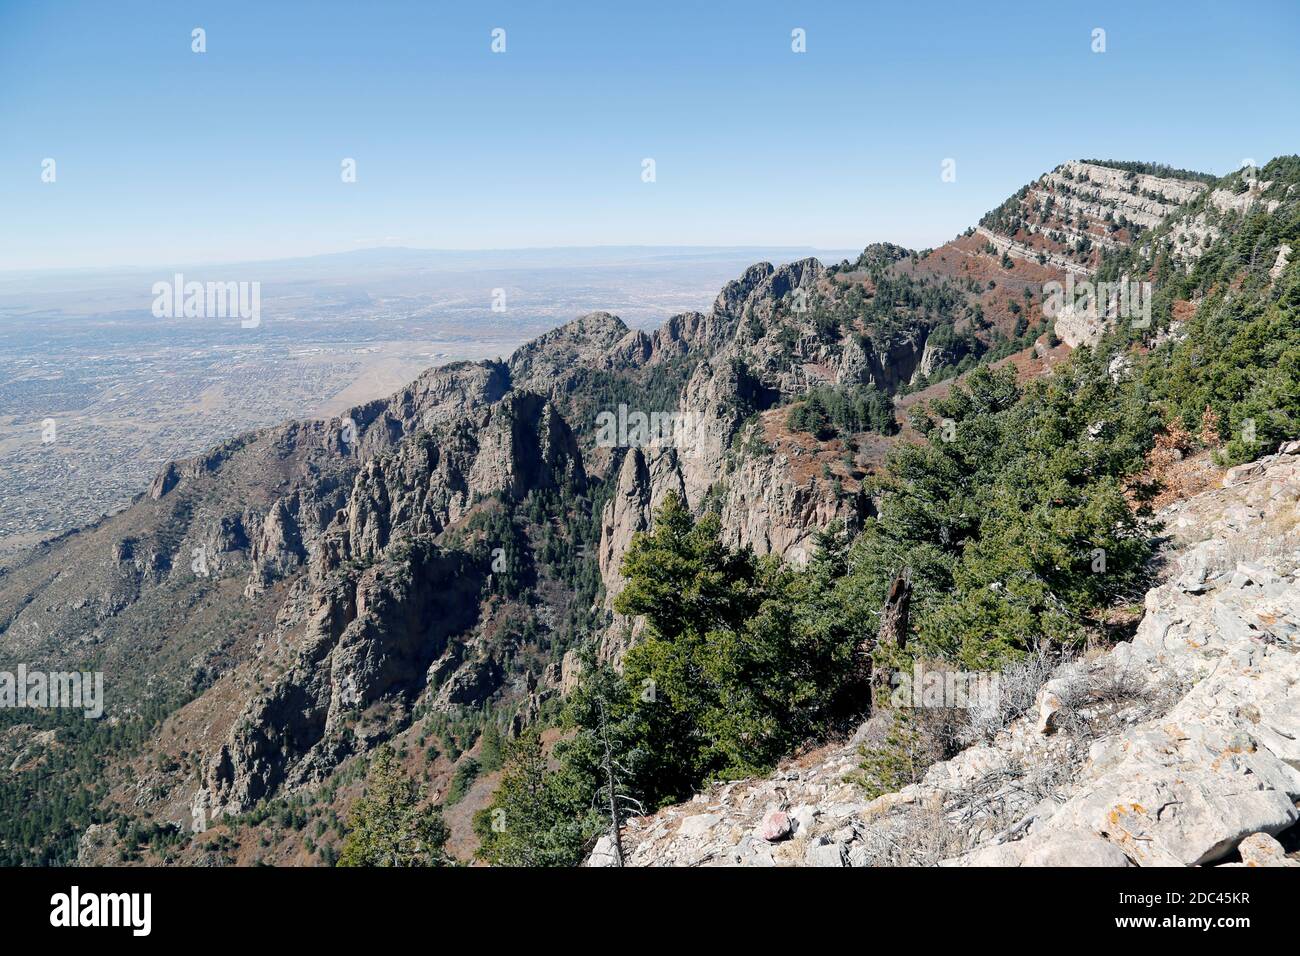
{"x": 371, "y": 638}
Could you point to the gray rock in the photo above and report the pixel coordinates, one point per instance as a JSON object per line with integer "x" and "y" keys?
{"x": 603, "y": 853}
{"x": 698, "y": 825}
{"x": 803, "y": 818}
{"x": 824, "y": 852}
{"x": 1260, "y": 849}
{"x": 1082, "y": 849}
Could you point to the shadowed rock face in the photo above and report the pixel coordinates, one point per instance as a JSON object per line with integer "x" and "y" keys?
{"x": 374, "y": 634}
{"x": 256, "y": 506}
{"x": 371, "y": 638}
{"x": 323, "y": 530}
{"x": 518, "y": 445}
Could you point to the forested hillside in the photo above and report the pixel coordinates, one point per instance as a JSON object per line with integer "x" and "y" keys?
{"x": 1023, "y": 519}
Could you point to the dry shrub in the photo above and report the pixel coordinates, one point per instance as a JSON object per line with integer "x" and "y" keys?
{"x": 917, "y": 835}
{"x": 1176, "y": 466}
{"x": 1098, "y": 697}
{"x": 1105, "y": 697}
{"x": 1018, "y": 686}
{"x": 1209, "y": 434}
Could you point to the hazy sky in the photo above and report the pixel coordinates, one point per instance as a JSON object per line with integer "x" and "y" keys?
{"x": 164, "y": 155}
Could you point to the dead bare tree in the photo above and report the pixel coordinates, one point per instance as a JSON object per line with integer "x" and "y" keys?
{"x": 894, "y": 620}
{"x": 894, "y": 617}
{"x": 616, "y": 801}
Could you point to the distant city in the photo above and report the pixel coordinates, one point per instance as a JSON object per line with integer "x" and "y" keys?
{"x": 97, "y": 392}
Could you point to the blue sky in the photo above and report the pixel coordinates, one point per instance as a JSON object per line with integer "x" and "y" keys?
{"x": 167, "y": 156}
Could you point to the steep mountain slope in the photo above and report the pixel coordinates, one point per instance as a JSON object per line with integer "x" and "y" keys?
{"x": 430, "y": 565}
{"x": 1172, "y": 749}
{"x": 1175, "y": 747}
{"x": 1074, "y": 214}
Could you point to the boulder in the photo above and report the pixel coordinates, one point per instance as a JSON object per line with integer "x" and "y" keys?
{"x": 1049, "y": 706}
{"x": 603, "y": 853}
{"x": 825, "y": 852}
{"x": 1260, "y": 849}
{"x": 776, "y": 826}
{"x": 1081, "y": 849}
{"x": 698, "y": 825}
{"x": 802, "y": 819}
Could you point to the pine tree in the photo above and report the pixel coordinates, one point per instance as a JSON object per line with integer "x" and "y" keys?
{"x": 490, "y": 754}
{"x": 538, "y": 816}
{"x": 389, "y": 825}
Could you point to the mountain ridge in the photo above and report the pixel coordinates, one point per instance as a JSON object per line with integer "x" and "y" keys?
{"x": 353, "y": 534}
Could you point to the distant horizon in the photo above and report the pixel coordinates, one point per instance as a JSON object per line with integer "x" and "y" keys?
{"x": 121, "y": 268}
{"x": 162, "y": 133}
{"x": 363, "y": 246}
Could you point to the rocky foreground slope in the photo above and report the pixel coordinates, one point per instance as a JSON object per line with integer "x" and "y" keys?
{"x": 1181, "y": 747}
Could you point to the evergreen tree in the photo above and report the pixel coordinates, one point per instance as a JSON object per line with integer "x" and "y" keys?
{"x": 539, "y": 816}
{"x": 389, "y": 826}
{"x": 490, "y": 747}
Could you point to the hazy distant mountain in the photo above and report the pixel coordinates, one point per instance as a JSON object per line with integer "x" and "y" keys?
{"x": 635, "y": 279}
